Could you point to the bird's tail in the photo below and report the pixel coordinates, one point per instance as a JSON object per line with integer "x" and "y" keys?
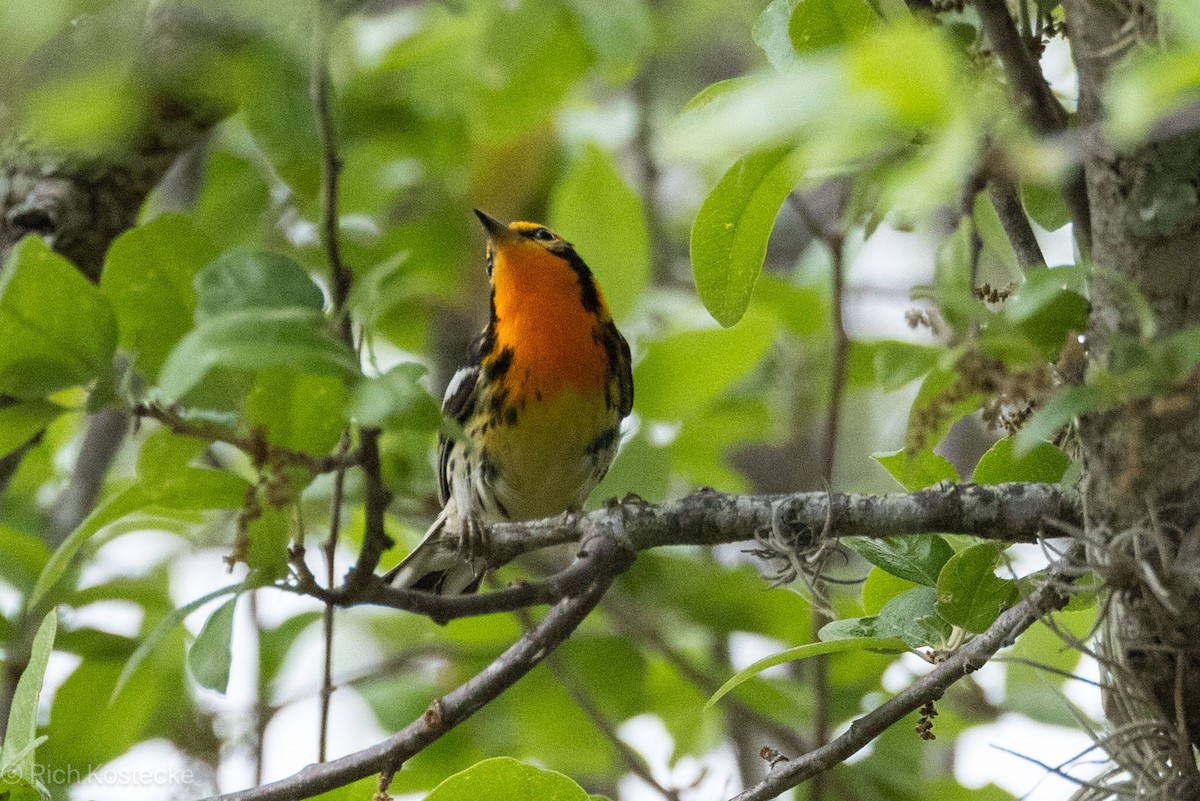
{"x": 435, "y": 565}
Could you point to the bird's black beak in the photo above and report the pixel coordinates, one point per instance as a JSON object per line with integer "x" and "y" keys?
{"x": 497, "y": 231}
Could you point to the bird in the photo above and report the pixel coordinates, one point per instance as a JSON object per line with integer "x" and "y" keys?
{"x": 536, "y": 414}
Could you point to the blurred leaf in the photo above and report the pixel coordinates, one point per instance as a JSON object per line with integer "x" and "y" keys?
{"x": 771, "y": 32}
{"x": 21, "y": 421}
{"x": 640, "y": 467}
{"x": 729, "y": 236}
{"x": 881, "y": 587}
{"x": 666, "y": 392}
{"x": 505, "y": 779}
{"x": 269, "y": 535}
{"x": 272, "y": 87}
{"x": 912, "y": 616}
{"x": 1049, "y": 305}
{"x": 233, "y": 200}
{"x": 1033, "y": 688}
{"x": 241, "y": 280}
{"x": 714, "y": 90}
{"x": 297, "y": 410}
{"x": 165, "y": 627}
{"x": 940, "y": 403}
{"x": 57, "y": 327}
{"x": 16, "y": 755}
{"x": 969, "y": 593}
{"x": 1043, "y": 462}
{"x": 210, "y": 655}
{"x": 16, "y": 789}
{"x": 1148, "y": 86}
{"x": 804, "y": 652}
{"x": 898, "y": 364}
{"x": 1059, "y": 409}
{"x": 147, "y": 277}
{"x": 910, "y": 67}
{"x": 1044, "y": 203}
{"x": 25, "y": 556}
{"x": 167, "y": 479}
{"x": 918, "y": 470}
{"x": 395, "y": 399}
{"x": 821, "y": 23}
{"x": 917, "y": 558}
{"x": 594, "y": 208}
{"x": 619, "y": 32}
{"x": 91, "y": 111}
{"x": 991, "y": 232}
{"x": 253, "y": 340}
{"x": 275, "y": 643}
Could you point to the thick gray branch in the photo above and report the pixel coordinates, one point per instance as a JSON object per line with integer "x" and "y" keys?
{"x": 1008, "y": 512}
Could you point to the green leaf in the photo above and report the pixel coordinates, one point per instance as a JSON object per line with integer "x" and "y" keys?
{"x": 666, "y": 392}
{"x": 253, "y": 340}
{"x": 165, "y": 626}
{"x": 210, "y": 654}
{"x": 771, "y": 32}
{"x": 969, "y": 593}
{"x": 1059, "y": 409}
{"x": 898, "y": 364}
{"x": 918, "y": 470}
{"x": 994, "y": 237}
{"x": 395, "y": 399}
{"x": 849, "y": 628}
{"x": 1045, "y": 204}
{"x": 912, "y": 616}
{"x": 595, "y": 209}
{"x": 618, "y": 31}
{"x": 16, "y": 755}
{"x": 815, "y": 24}
{"x": 147, "y": 277}
{"x": 25, "y": 555}
{"x": 269, "y": 534}
{"x": 167, "y": 479}
{"x": 242, "y": 279}
{"x": 885, "y": 645}
{"x": 506, "y": 779}
{"x": 57, "y": 327}
{"x": 297, "y": 410}
{"x": 20, "y": 422}
{"x": 13, "y": 788}
{"x": 117, "y": 506}
{"x": 938, "y": 406}
{"x": 729, "y": 236}
{"x": 1043, "y": 462}
{"x": 1049, "y": 305}
{"x": 916, "y": 558}
{"x": 881, "y": 587}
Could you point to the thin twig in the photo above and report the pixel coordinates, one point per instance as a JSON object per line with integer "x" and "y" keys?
{"x": 254, "y": 444}
{"x": 458, "y": 705}
{"x": 378, "y": 497}
{"x": 1042, "y": 110}
{"x": 1007, "y": 200}
{"x": 972, "y": 656}
{"x": 330, "y": 549}
{"x": 340, "y": 276}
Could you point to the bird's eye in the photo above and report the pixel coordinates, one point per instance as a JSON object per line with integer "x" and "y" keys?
{"x": 543, "y": 234}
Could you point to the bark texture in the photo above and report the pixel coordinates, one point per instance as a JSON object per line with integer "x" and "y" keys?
{"x": 1142, "y": 460}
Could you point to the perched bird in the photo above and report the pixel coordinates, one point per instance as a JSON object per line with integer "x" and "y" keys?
{"x": 539, "y": 408}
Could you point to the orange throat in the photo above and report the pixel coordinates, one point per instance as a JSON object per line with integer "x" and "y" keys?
{"x": 541, "y": 318}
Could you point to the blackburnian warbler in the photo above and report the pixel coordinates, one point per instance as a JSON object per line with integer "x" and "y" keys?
{"x": 540, "y": 407}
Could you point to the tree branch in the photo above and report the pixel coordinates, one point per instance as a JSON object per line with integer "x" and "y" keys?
{"x": 1042, "y": 110}
{"x": 930, "y": 687}
{"x": 1007, "y": 200}
{"x": 446, "y": 713}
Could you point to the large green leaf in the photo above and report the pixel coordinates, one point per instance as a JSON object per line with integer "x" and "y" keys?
{"x": 1043, "y": 462}
{"x": 729, "y": 236}
{"x": 57, "y": 328}
{"x": 253, "y": 340}
{"x": 618, "y": 32}
{"x": 969, "y": 593}
{"x": 912, "y": 616}
{"x": 243, "y": 279}
{"x": 918, "y": 470}
{"x": 300, "y": 411}
{"x": 147, "y": 277}
{"x": 594, "y": 208}
{"x": 916, "y": 558}
{"x": 16, "y": 756}
{"x": 505, "y": 779}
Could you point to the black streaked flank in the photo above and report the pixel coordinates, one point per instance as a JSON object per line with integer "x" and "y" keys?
{"x": 589, "y": 296}
{"x": 496, "y": 369}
